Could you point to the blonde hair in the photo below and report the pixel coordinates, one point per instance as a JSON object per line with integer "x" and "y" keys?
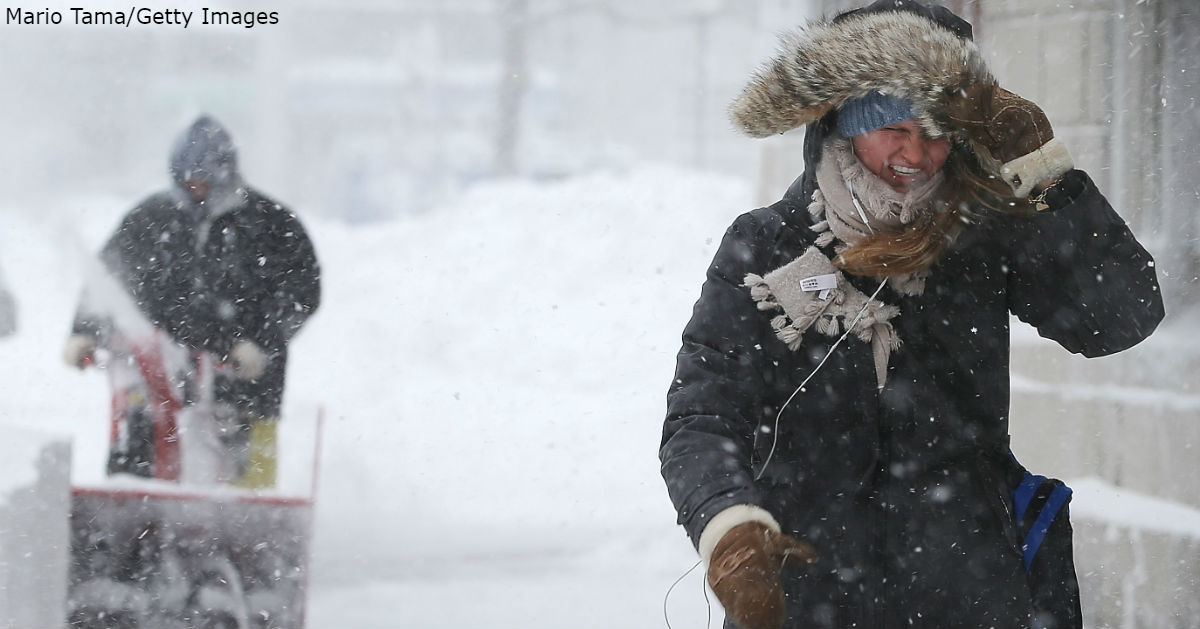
{"x": 967, "y": 193}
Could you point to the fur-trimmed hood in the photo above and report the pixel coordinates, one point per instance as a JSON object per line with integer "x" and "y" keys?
{"x": 897, "y": 47}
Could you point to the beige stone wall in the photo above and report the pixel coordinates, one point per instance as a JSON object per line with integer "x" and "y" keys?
{"x": 1097, "y": 67}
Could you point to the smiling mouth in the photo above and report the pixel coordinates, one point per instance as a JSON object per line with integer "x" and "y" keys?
{"x": 905, "y": 171}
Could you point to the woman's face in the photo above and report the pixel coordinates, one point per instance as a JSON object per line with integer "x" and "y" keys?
{"x": 901, "y": 154}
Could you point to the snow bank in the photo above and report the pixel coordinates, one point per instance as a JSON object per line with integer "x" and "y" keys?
{"x": 494, "y": 372}
{"x": 34, "y": 509}
{"x": 1097, "y": 500}
{"x": 1136, "y": 556}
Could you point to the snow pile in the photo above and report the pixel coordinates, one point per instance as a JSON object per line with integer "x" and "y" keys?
{"x": 1094, "y": 499}
{"x": 504, "y": 363}
{"x": 1136, "y": 556}
{"x": 34, "y": 512}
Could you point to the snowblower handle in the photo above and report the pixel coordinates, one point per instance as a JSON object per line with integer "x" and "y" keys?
{"x": 98, "y": 359}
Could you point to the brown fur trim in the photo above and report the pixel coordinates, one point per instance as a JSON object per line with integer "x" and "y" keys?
{"x": 822, "y": 66}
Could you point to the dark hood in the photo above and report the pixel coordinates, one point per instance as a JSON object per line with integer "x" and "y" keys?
{"x": 938, "y": 14}
{"x": 205, "y": 151}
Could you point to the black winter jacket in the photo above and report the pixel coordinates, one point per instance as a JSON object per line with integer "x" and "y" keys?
{"x": 248, "y": 273}
{"x": 903, "y": 491}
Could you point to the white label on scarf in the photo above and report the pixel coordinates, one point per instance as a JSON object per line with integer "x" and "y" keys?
{"x": 819, "y": 282}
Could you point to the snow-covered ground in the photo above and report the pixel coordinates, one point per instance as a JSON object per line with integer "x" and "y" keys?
{"x": 492, "y": 376}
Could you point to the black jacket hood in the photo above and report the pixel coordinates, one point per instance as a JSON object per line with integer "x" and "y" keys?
{"x": 204, "y": 151}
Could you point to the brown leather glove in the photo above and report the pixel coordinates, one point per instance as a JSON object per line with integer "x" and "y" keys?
{"x": 744, "y": 573}
{"x": 1010, "y": 130}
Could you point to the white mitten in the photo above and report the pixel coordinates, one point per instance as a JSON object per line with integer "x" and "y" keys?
{"x": 79, "y": 348}
{"x": 249, "y": 360}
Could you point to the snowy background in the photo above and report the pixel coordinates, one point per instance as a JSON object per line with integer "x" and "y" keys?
{"x": 502, "y": 310}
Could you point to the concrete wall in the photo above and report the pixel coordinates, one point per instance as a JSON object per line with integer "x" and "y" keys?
{"x": 1102, "y": 70}
{"x": 1134, "y": 577}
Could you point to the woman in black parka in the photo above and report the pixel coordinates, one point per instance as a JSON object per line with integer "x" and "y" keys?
{"x": 220, "y": 268}
{"x": 836, "y": 441}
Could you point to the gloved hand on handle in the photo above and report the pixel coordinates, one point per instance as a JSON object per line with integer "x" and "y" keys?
{"x": 249, "y": 360}
{"x": 743, "y": 570}
{"x": 1010, "y": 132}
{"x": 80, "y": 350}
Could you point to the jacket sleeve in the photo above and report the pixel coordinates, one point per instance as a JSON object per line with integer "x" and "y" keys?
{"x": 137, "y": 283}
{"x": 713, "y": 404}
{"x": 285, "y": 270}
{"x": 1079, "y": 276}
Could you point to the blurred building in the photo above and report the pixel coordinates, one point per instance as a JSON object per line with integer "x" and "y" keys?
{"x": 367, "y": 109}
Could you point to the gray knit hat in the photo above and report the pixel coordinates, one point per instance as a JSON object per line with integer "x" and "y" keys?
{"x": 868, "y": 113}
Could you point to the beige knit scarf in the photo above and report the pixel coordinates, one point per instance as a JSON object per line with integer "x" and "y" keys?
{"x": 842, "y": 179}
{"x": 810, "y": 291}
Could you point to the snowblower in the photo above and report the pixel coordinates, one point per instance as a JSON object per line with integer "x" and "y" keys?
{"x": 165, "y": 541}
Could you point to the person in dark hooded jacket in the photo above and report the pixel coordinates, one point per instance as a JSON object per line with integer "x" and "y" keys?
{"x": 836, "y": 442}
{"x": 220, "y": 268}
